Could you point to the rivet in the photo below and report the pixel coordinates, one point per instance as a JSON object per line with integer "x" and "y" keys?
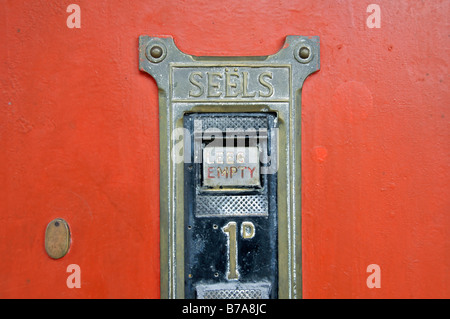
{"x": 304, "y": 52}
{"x": 156, "y": 51}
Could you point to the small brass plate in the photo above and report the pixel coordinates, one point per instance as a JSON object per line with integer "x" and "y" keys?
{"x": 57, "y": 238}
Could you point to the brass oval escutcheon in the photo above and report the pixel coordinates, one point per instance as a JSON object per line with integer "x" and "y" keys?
{"x": 57, "y": 238}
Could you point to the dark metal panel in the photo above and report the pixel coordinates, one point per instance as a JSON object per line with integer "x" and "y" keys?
{"x": 207, "y": 237}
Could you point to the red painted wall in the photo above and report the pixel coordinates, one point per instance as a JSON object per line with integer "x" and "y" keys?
{"x": 79, "y": 140}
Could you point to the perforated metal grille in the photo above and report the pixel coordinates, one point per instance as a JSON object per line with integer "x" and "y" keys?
{"x": 235, "y": 122}
{"x": 259, "y": 290}
{"x": 233, "y": 294}
{"x": 241, "y": 205}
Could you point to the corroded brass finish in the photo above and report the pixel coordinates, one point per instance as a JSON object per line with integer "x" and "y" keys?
{"x": 57, "y": 238}
{"x": 256, "y": 84}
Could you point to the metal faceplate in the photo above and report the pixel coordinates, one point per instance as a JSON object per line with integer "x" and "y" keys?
{"x": 230, "y": 155}
{"x": 230, "y": 206}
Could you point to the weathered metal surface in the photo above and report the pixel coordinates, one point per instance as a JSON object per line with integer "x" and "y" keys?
{"x": 235, "y": 240}
{"x": 57, "y": 238}
{"x": 234, "y": 291}
{"x": 230, "y": 85}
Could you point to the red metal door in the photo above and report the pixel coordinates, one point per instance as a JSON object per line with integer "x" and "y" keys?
{"x": 79, "y": 140}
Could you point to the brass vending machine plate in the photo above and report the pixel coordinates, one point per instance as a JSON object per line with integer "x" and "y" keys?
{"x": 230, "y": 169}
